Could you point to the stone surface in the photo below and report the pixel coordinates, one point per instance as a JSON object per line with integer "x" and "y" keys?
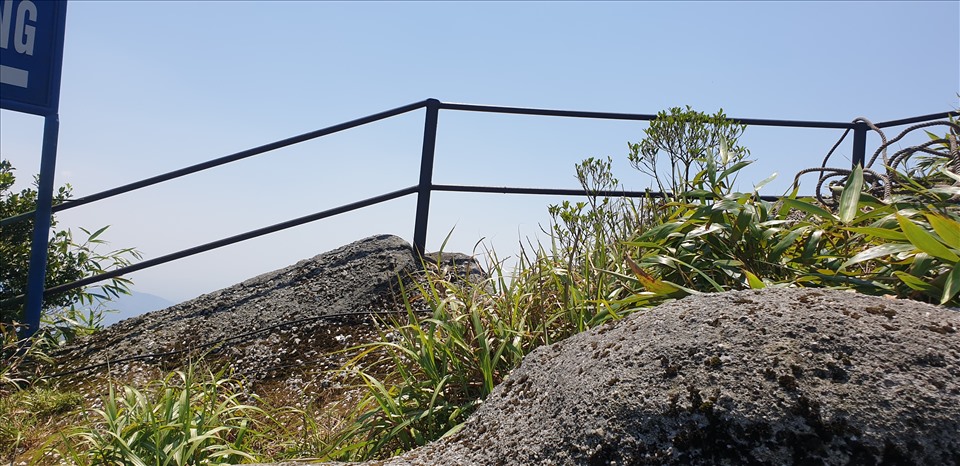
{"x": 268, "y": 323}
{"x": 777, "y": 376}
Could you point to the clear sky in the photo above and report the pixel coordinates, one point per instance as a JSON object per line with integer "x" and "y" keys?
{"x": 150, "y": 87}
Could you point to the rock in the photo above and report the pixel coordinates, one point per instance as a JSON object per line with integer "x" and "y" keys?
{"x": 776, "y": 376}
{"x": 270, "y": 322}
{"x": 455, "y": 266}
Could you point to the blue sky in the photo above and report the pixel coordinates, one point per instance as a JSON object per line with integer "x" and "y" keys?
{"x": 150, "y": 87}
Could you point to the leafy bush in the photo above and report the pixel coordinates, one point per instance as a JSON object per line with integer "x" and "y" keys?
{"x": 68, "y": 260}
{"x": 183, "y": 419}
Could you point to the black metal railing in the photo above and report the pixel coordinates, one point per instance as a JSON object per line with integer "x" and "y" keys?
{"x": 425, "y": 186}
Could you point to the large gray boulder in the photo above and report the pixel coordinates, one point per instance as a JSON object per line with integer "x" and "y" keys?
{"x": 778, "y": 376}
{"x": 271, "y": 323}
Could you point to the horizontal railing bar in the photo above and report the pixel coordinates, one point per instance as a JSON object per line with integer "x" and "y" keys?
{"x": 631, "y": 116}
{"x": 556, "y": 191}
{"x": 919, "y": 119}
{"x": 545, "y": 112}
{"x": 233, "y": 239}
{"x": 221, "y": 161}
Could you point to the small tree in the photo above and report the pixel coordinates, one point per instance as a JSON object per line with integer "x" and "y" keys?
{"x": 67, "y": 261}
{"x": 686, "y": 138}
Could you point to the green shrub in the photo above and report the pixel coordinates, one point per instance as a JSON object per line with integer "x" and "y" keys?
{"x": 70, "y": 313}
{"x": 183, "y": 419}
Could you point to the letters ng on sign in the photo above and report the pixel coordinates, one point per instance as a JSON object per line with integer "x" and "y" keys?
{"x": 31, "y": 53}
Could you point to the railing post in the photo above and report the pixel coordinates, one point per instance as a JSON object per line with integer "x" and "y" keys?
{"x": 426, "y": 176}
{"x": 37, "y": 271}
{"x": 859, "y": 145}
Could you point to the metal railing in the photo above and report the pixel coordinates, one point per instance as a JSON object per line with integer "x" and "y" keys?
{"x": 426, "y": 185}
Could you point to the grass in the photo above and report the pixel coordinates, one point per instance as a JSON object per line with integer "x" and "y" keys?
{"x": 30, "y": 415}
{"x": 184, "y": 419}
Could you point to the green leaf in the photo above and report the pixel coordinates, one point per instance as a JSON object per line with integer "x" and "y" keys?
{"x": 956, "y": 177}
{"x": 879, "y": 232}
{"x": 704, "y": 230}
{"x": 756, "y": 187}
{"x": 806, "y": 207}
{"x": 660, "y": 232}
{"x": 878, "y": 251}
{"x": 97, "y": 234}
{"x": 733, "y": 168}
{"x": 850, "y": 196}
{"x": 698, "y": 193}
{"x": 785, "y": 243}
{"x": 952, "y": 286}
{"x": 811, "y": 246}
{"x": 948, "y": 229}
{"x": 649, "y": 281}
{"x": 945, "y": 190}
{"x": 645, "y": 244}
{"x": 913, "y": 282}
{"x": 925, "y": 241}
{"x": 754, "y": 282}
{"x": 726, "y": 205}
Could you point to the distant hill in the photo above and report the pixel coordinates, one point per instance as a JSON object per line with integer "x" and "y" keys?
{"x": 133, "y": 305}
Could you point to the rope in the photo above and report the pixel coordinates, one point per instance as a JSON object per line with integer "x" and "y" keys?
{"x": 886, "y": 181}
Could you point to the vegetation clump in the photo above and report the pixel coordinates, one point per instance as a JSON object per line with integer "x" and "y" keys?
{"x": 609, "y": 257}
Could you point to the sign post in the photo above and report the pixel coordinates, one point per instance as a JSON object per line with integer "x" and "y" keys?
{"x": 31, "y": 60}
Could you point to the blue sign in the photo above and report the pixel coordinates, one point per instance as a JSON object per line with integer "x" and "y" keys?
{"x": 31, "y": 54}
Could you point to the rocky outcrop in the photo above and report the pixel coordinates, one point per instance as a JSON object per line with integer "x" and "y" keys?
{"x": 277, "y": 320}
{"x": 778, "y": 376}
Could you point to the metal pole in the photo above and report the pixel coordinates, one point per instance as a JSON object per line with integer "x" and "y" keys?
{"x": 41, "y": 224}
{"x": 426, "y": 176}
{"x": 859, "y": 145}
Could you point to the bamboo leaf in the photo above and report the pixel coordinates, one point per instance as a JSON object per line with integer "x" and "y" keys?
{"x": 924, "y": 241}
{"x": 956, "y": 177}
{"x": 850, "y": 196}
{"x": 649, "y": 281}
{"x": 876, "y": 252}
{"x": 948, "y": 229}
{"x": 733, "y": 168}
{"x": 704, "y": 230}
{"x": 884, "y": 233}
{"x": 786, "y": 242}
{"x": 812, "y": 244}
{"x": 807, "y": 207}
{"x": 756, "y": 187}
{"x": 724, "y": 151}
{"x": 952, "y": 286}
{"x": 96, "y": 234}
{"x": 945, "y": 190}
{"x": 754, "y": 282}
{"x": 913, "y": 282}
